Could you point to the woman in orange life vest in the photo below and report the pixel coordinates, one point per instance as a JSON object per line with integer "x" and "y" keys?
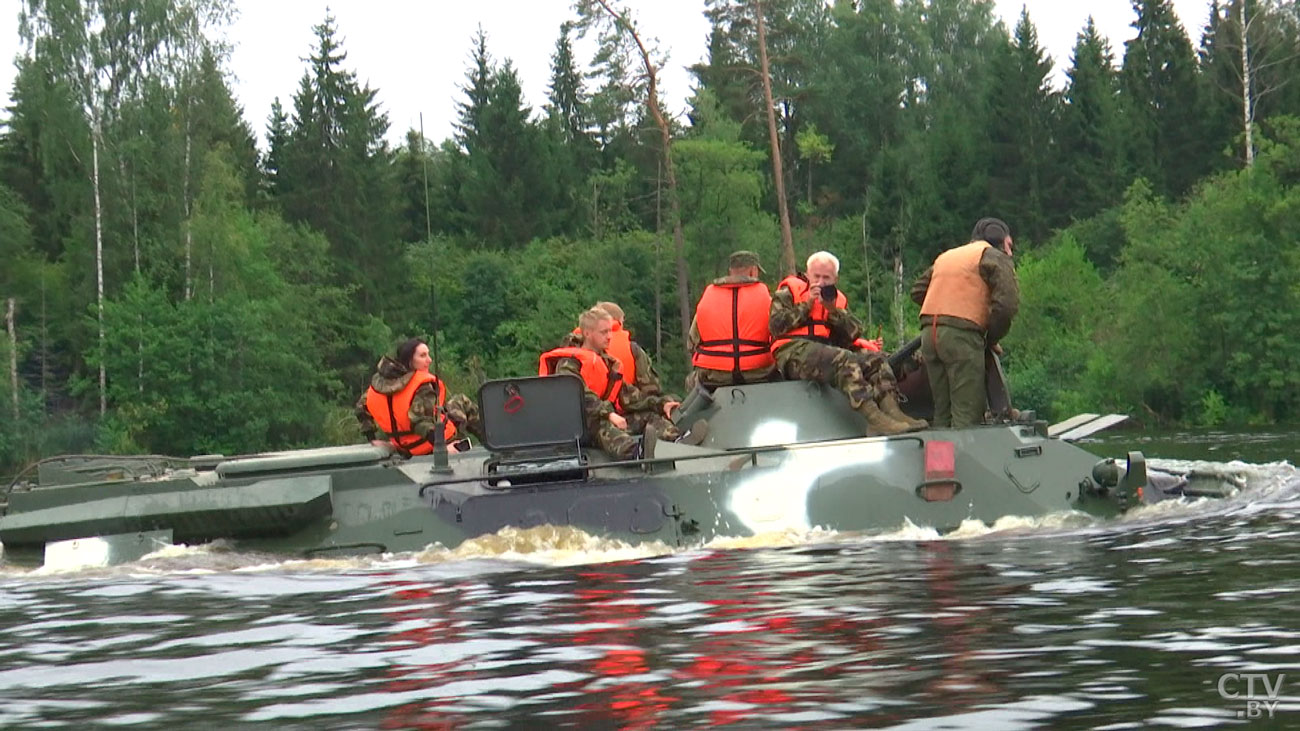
{"x": 404, "y": 402}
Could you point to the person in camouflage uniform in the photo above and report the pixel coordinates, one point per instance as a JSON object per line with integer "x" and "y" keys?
{"x": 392, "y": 375}
{"x": 862, "y": 376}
{"x": 743, "y": 269}
{"x": 607, "y": 429}
{"x": 642, "y": 401}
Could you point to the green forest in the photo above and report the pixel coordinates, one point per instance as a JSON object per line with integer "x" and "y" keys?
{"x": 169, "y": 285}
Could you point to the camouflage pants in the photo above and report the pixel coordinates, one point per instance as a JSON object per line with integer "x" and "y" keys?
{"x": 862, "y": 376}
{"x": 637, "y": 421}
{"x": 615, "y": 442}
{"x": 463, "y": 412}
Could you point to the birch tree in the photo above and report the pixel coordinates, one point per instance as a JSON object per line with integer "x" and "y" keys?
{"x": 103, "y": 51}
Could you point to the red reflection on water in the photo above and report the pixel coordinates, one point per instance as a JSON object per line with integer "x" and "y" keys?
{"x": 429, "y": 609}
{"x": 617, "y": 694}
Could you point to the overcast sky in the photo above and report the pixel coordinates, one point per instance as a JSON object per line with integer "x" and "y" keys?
{"x": 415, "y": 52}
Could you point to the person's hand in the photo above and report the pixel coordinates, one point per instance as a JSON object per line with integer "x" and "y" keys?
{"x": 997, "y": 349}
{"x": 617, "y": 420}
{"x": 378, "y": 443}
{"x": 452, "y": 448}
{"x": 815, "y": 293}
{"x": 669, "y": 407}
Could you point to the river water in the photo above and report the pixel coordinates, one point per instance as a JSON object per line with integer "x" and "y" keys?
{"x": 1170, "y": 617}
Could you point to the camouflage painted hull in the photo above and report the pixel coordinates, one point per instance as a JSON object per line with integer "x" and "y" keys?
{"x": 782, "y": 456}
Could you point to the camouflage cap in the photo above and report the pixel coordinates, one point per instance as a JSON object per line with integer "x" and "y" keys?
{"x": 741, "y": 259}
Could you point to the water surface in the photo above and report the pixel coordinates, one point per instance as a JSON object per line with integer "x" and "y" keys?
{"x": 1059, "y": 622}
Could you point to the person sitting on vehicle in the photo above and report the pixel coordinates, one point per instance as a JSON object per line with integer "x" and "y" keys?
{"x": 603, "y": 386}
{"x": 968, "y": 299}
{"x": 405, "y": 403}
{"x": 729, "y": 339}
{"x": 643, "y": 397}
{"x": 816, "y": 341}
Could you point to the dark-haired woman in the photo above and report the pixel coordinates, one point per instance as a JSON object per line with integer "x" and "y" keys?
{"x": 405, "y": 403}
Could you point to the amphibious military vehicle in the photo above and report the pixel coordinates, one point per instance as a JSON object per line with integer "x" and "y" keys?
{"x": 777, "y": 456}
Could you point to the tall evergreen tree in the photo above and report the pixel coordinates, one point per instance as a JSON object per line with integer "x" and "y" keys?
{"x": 333, "y": 174}
{"x": 505, "y": 192}
{"x": 1024, "y": 176}
{"x": 1092, "y": 140}
{"x": 1159, "y": 88}
{"x": 569, "y": 145}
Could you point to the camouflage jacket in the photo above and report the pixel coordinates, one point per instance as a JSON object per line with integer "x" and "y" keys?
{"x": 597, "y": 409}
{"x": 391, "y": 377}
{"x": 786, "y": 316}
{"x": 998, "y": 271}
{"x": 646, "y": 392}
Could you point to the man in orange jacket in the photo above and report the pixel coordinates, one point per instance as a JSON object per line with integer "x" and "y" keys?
{"x": 607, "y": 398}
{"x": 729, "y": 339}
{"x": 968, "y": 299}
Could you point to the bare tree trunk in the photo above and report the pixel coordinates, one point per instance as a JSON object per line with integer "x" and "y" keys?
{"x": 95, "y": 134}
{"x": 659, "y": 232}
{"x": 866, "y": 261}
{"x": 13, "y": 355}
{"x": 185, "y": 199}
{"x": 1247, "y": 102}
{"x": 45, "y": 347}
{"x": 135, "y": 237}
{"x": 666, "y": 138}
{"x": 898, "y": 297}
{"x": 778, "y": 174}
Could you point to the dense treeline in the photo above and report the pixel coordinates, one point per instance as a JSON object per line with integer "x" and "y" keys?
{"x": 168, "y": 287}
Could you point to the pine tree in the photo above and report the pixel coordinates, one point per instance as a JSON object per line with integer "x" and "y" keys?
{"x": 1159, "y": 89}
{"x": 1091, "y": 134}
{"x": 332, "y": 173}
{"x": 1024, "y": 178}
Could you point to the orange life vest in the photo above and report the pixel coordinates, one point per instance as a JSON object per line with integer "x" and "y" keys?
{"x": 595, "y": 373}
{"x": 732, "y": 320}
{"x": 956, "y": 287}
{"x": 392, "y": 413}
{"x": 818, "y": 328}
{"x": 874, "y": 346}
{"x": 620, "y": 349}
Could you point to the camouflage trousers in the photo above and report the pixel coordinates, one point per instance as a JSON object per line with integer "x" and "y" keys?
{"x": 637, "y": 421}
{"x": 623, "y": 443}
{"x": 463, "y": 412}
{"x": 615, "y": 442}
{"x": 862, "y": 377}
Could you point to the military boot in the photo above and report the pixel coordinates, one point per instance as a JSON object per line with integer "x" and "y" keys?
{"x": 889, "y": 405}
{"x": 880, "y": 424}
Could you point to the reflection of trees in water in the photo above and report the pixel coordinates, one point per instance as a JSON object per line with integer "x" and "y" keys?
{"x": 425, "y": 613}
{"x": 729, "y": 637}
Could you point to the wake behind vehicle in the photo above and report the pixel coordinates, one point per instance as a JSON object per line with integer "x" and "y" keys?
{"x": 778, "y": 456}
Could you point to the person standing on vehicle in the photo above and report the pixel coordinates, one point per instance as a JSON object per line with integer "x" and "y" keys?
{"x": 968, "y": 299}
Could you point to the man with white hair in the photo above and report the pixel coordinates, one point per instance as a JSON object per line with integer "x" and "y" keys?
{"x": 813, "y": 337}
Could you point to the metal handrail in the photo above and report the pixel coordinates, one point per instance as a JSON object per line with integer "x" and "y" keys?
{"x": 751, "y": 452}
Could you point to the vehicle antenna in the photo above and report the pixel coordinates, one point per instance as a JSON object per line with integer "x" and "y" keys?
{"x": 439, "y": 438}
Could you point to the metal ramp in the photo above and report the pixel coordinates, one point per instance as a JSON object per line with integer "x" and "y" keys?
{"x": 1084, "y": 425}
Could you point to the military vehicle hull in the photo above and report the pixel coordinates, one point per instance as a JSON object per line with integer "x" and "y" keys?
{"x": 781, "y": 456}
